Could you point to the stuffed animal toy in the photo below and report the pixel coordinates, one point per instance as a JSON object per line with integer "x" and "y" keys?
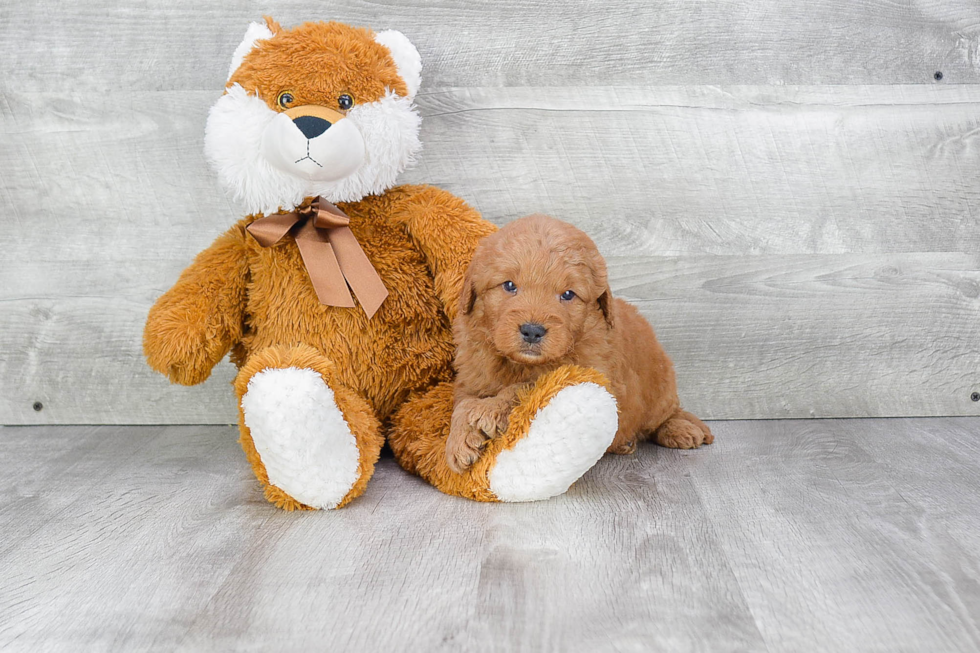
{"x": 335, "y": 295}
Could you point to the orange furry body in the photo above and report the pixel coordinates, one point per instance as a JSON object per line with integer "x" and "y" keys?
{"x": 259, "y": 304}
{"x": 407, "y": 345}
{"x": 536, "y": 297}
{"x": 265, "y": 299}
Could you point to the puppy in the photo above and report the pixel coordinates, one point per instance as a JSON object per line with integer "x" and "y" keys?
{"x": 536, "y": 297}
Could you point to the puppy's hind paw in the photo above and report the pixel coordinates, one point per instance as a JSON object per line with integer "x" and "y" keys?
{"x": 622, "y": 448}
{"x": 679, "y": 433}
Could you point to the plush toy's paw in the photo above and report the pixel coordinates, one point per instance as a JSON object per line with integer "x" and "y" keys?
{"x": 301, "y": 435}
{"x": 557, "y": 429}
{"x": 683, "y": 431}
{"x": 179, "y": 347}
{"x": 565, "y": 438}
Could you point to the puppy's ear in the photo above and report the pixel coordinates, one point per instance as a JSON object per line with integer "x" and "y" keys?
{"x": 600, "y": 279}
{"x": 467, "y": 298}
{"x": 606, "y": 305}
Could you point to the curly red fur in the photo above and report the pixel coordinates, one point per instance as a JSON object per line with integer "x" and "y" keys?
{"x": 545, "y": 273}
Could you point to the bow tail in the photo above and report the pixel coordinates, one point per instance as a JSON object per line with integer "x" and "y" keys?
{"x": 323, "y": 268}
{"x": 361, "y": 275}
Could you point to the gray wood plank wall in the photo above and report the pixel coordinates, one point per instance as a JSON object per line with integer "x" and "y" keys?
{"x": 785, "y": 189}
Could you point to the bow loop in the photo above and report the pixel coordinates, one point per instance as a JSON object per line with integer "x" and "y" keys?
{"x": 329, "y": 217}
{"x": 333, "y": 258}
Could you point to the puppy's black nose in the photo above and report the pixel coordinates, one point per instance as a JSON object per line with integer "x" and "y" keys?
{"x": 311, "y": 126}
{"x": 532, "y": 332}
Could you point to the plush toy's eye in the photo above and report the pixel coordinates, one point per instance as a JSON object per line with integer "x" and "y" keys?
{"x": 568, "y": 295}
{"x": 345, "y": 101}
{"x": 509, "y": 286}
{"x": 285, "y": 99}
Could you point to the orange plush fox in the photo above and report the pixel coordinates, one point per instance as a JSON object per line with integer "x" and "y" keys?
{"x": 335, "y": 295}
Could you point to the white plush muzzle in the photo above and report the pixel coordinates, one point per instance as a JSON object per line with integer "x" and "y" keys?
{"x": 330, "y": 156}
{"x": 259, "y": 155}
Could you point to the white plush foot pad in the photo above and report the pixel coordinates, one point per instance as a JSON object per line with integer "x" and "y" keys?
{"x": 565, "y": 440}
{"x": 305, "y": 444}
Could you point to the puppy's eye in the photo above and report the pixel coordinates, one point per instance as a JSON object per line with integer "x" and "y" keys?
{"x": 567, "y": 296}
{"x": 285, "y": 99}
{"x": 345, "y": 102}
{"x": 509, "y": 286}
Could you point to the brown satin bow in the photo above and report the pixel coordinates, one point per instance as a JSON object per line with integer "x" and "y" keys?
{"x": 331, "y": 254}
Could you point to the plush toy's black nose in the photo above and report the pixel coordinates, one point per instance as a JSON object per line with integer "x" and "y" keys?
{"x": 532, "y": 332}
{"x": 311, "y": 126}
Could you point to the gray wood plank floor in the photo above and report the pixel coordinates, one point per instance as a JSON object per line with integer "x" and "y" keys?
{"x": 818, "y": 535}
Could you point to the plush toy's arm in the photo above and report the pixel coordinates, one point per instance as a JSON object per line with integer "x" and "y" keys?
{"x": 194, "y": 324}
{"x": 447, "y": 231}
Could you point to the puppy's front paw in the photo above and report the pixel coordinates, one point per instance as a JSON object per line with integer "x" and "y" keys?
{"x": 465, "y": 441}
{"x": 490, "y": 416}
{"x": 463, "y": 448}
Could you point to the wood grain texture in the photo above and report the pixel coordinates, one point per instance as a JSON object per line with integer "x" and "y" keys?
{"x": 175, "y": 45}
{"x": 821, "y": 308}
{"x": 815, "y": 336}
{"x": 748, "y": 212}
{"x": 830, "y": 535}
{"x": 735, "y": 170}
{"x": 751, "y": 337}
{"x": 824, "y": 531}
{"x": 679, "y": 170}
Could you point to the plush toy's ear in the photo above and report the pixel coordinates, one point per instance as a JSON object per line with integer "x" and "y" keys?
{"x": 406, "y": 58}
{"x": 255, "y": 32}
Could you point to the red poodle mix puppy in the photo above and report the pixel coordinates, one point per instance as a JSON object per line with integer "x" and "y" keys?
{"x": 535, "y": 297}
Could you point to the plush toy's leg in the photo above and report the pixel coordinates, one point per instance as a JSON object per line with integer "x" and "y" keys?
{"x": 311, "y": 440}
{"x": 556, "y": 433}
